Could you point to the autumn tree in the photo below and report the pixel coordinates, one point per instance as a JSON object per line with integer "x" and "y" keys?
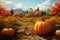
{"x": 4, "y": 11}
{"x": 55, "y": 10}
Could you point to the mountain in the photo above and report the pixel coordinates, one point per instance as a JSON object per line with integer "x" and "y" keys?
{"x": 19, "y": 10}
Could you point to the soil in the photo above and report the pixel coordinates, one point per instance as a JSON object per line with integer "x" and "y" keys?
{"x": 26, "y": 32}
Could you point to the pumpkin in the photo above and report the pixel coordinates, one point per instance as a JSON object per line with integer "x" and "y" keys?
{"x": 57, "y": 32}
{"x": 37, "y": 13}
{"x": 42, "y": 27}
{"x": 16, "y": 14}
{"x": 27, "y": 15}
{"x": 8, "y": 32}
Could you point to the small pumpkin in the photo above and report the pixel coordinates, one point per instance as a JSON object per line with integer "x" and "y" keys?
{"x": 27, "y": 15}
{"x": 16, "y": 14}
{"x": 42, "y": 27}
{"x": 8, "y": 32}
{"x": 57, "y": 32}
{"x": 37, "y": 13}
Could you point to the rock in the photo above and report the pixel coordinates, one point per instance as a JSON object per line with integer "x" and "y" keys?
{"x": 21, "y": 31}
{"x": 26, "y": 33}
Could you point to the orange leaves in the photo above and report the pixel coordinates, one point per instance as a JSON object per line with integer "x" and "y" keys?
{"x": 7, "y": 13}
{"x": 55, "y": 10}
{"x": 58, "y": 1}
{"x": 4, "y": 12}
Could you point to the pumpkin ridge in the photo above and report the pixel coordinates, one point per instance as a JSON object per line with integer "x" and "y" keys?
{"x": 43, "y": 27}
{"x": 40, "y": 31}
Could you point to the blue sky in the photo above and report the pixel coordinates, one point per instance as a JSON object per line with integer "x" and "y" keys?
{"x": 25, "y": 4}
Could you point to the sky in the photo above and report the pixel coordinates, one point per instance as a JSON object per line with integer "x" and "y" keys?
{"x": 26, "y": 4}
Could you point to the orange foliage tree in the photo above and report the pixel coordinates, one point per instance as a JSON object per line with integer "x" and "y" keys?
{"x": 55, "y": 10}
{"x": 4, "y": 12}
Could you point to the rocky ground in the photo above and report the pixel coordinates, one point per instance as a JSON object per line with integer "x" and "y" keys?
{"x": 25, "y": 32}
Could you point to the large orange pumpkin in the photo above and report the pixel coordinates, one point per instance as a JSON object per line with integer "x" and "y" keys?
{"x": 8, "y": 32}
{"x": 27, "y": 15}
{"x": 42, "y": 27}
{"x": 57, "y": 32}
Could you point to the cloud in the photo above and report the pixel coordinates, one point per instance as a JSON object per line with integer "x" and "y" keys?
{"x": 25, "y": 8}
{"x": 19, "y": 5}
{"x": 6, "y": 2}
{"x": 9, "y": 4}
{"x": 45, "y": 5}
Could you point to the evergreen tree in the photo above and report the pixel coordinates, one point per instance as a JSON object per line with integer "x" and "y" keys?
{"x": 27, "y": 11}
{"x": 38, "y": 9}
{"x": 12, "y": 11}
{"x": 47, "y": 11}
